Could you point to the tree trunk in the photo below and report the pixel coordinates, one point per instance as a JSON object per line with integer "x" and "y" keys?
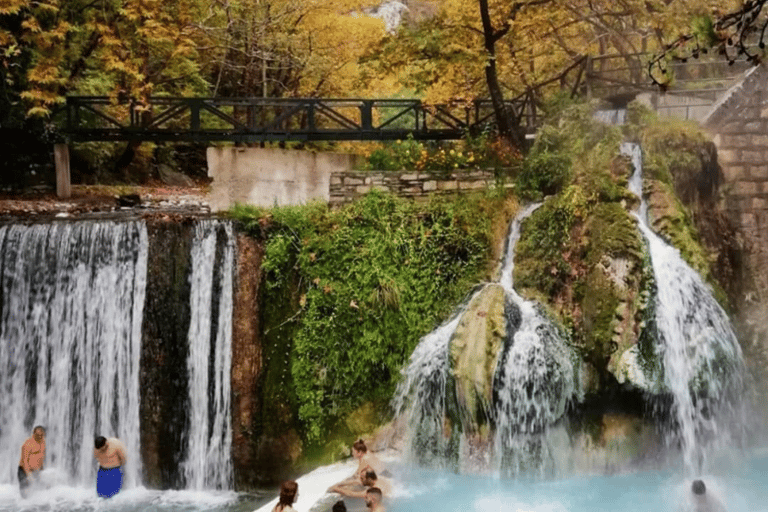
{"x": 506, "y": 122}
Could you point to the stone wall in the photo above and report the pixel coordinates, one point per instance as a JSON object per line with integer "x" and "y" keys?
{"x": 739, "y": 128}
{"x": 346, "y": 186}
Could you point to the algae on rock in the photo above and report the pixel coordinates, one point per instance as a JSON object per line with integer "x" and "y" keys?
{"x": 475, "y": 348}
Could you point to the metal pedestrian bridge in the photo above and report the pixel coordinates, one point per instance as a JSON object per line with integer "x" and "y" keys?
{"x": 253, "y": 120}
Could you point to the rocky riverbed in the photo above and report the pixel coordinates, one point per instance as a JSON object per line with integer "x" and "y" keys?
{"x": 101, "y": 201}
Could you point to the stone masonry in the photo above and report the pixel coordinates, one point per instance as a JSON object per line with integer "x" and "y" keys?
{"x": 346, "y": 186}
{"x": 739, "y": 127}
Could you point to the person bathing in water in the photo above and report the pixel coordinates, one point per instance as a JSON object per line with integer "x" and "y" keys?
{"x": 703, "y": 502}
{"x": 32, "y": 459}
{"x": 373, "y": 500}
{"x": 111, "y": 456}
{"x": 366, "y": 458}
{"x": 368, "y": 480}
{"x": 289, "y": 490}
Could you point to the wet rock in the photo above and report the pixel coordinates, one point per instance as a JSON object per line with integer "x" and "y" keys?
{"x": 475, "y": 349}
{"x": 129, "y": 200}
{"x": 173, "y": 178}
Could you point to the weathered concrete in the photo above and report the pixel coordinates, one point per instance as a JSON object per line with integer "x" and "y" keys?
{"x": 269, "y": 177}
{"x": 63, "y": 176}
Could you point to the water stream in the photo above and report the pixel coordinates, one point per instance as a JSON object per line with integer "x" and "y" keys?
{"x": 532, "y": 384}
{"x": 72, "y": 298}
{"x": 702, "y": 360}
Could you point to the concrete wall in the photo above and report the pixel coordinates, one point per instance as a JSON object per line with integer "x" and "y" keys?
{"x": 269, "y": 177}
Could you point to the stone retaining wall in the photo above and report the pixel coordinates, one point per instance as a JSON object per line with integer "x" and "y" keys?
{"x": 739, "y": 125}
{"x": 346, "y": 186}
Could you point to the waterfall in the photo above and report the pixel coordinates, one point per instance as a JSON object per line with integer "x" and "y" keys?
{"x": 70, "y": 332}
{"x": 420, "y": 399}
{"x": 534, "y": 380}
{"x": 700, "y": 353}
{"x": 72, "y": 298}
{"x": 209, "y": 441}
{"x": 532, "y": 383}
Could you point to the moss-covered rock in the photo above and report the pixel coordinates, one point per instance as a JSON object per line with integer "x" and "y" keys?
{"x": 474, "y": 354}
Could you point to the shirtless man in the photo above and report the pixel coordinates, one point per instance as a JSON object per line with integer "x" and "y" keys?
{"x": 366, "y": 458}
{"x": 32, "y": 458}
{"x": 368, "y": 479}
{"x": 111, "y": 456}
{"x": 373, "y": 500}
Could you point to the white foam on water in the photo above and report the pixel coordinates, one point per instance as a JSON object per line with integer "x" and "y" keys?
{"x": 313, "y": 485}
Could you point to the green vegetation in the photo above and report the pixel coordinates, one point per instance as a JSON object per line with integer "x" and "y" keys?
{"x": 348, "y": 293}
{"x": 573, "y": 245}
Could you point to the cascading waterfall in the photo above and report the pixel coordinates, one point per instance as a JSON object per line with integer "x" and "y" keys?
{"x": 208, "y": 463}
{"x": 72, "y": 298}
{"x": 701, "y": 356}
{"x": 420, "y": 399}
{"x": 534, "y": 380}
{"x": 532, "y": 384}
{"x": 70, "y": 335}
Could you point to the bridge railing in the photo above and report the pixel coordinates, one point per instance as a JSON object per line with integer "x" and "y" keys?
{"x": 92, "y": 118}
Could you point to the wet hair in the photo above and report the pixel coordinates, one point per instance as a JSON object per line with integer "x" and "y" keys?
{"x": 38, "y": 427}
{"x": 369, "y": 474}
{"x": 339, "y": 506}
{"x": 375, "y": 491}
{"x": 288, "y": 491}
{"x": 99, "y": 441}
{"x": 359, "y": 445}
{"x": 698, "y": 487}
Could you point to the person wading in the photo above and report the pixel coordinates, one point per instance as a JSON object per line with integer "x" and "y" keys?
{"x": 111, "y": 456}
{"x": 289, "y": 490}
{"x": 32, "y": 459}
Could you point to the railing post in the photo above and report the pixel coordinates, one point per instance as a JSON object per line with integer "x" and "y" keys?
{"x": 366, "y": 115}
{"x": 311, "y": 116}
{"x": 63, "y": 176}
{"x": 194, "y": 115}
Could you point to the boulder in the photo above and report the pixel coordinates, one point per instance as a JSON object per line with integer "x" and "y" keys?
{"x": 174, "y": 178}
{"x": 474, "y": 354}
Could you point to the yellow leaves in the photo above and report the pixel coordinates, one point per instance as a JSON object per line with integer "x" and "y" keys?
{"x": 31, "y": 24}
{"x": 12, "y": 6}
{"x": 45, "y": 73}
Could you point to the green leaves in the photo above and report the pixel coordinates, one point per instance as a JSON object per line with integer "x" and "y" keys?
{"x": 371, "y": 279}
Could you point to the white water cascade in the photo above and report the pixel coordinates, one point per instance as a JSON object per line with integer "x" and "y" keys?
{"x": 208, "y": 463}
{"x": 532, "y": 384}
{"x": 701, "y": 356}
{"x": 534, "y": 380}
{"x": 70, "y": 336}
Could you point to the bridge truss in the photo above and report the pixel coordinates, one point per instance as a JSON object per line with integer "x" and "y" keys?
{"x": 251, "y": 120}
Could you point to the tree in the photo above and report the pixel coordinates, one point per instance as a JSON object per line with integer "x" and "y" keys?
{"x": 734, "y": 34}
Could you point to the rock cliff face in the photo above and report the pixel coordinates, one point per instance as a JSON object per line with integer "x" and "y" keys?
{"x": 163, "y": 376}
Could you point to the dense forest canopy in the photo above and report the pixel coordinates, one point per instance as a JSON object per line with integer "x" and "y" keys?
{"x": 444, "y": 50}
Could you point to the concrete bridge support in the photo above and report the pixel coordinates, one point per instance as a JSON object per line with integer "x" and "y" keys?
{"x": 271, "y": 177}
{"x": 63, "y": 176}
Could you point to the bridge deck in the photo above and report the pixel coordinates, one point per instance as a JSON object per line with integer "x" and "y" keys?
{"x": 249, "y": 120}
